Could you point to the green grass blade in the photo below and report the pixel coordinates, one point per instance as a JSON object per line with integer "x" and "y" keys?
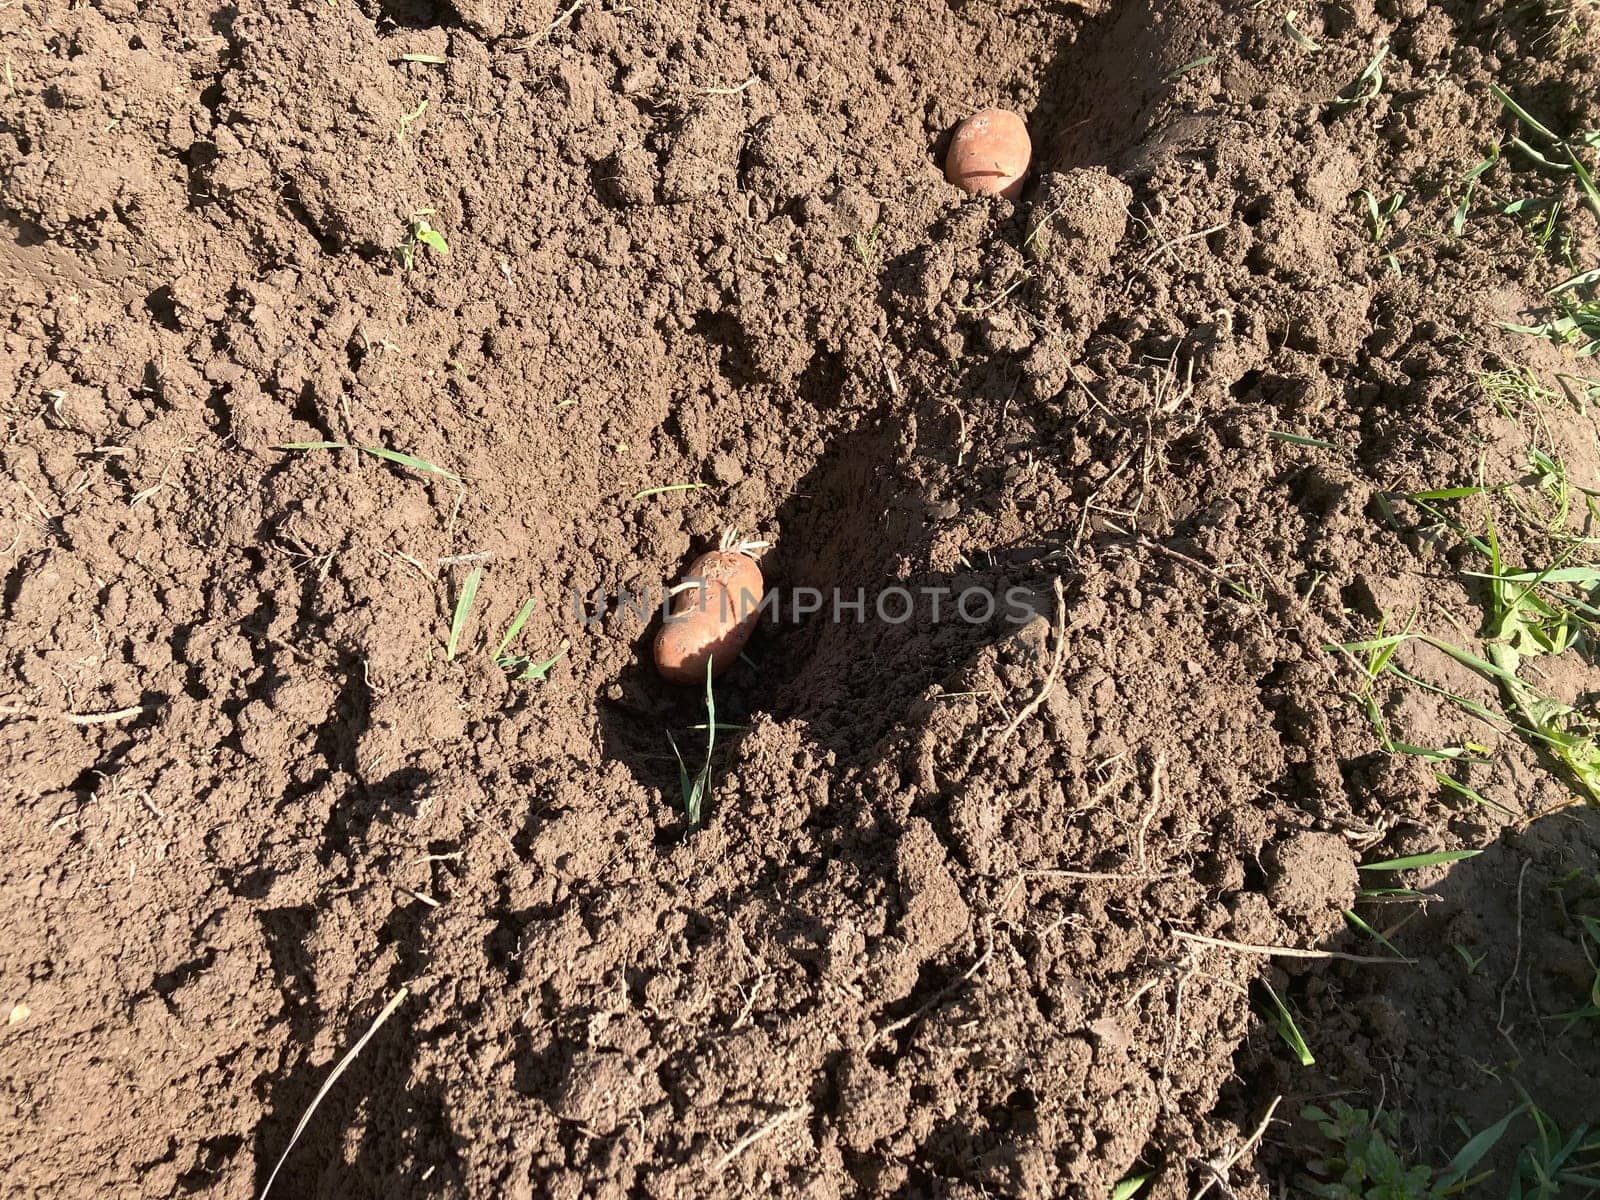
{"x": 1522, "y": 114}
{"x": 1472, "y": 1153}
{"x": 1589, "y": 576}
{"x": 1548, "y": 163}
{"x": 684, "y": 785}
{"x": 1297, "y": 35}
{"x": 1419, "y": 860}
{"x": 540, "y": 671}
{"x": 1350, "y": 915}
{"x": 1583, "y": 279}
{"x": 1586, "y": 182}
{"x": 469, "y": 593}
{"x": 1367, "y": 85}
{"x": 410, "y": 460}
{"x": 1448, "y": 493}
{"x": 514, "y": 628}
{"x": 1129, "y": 1187}
{"x": 1288, "y": 1030}
{"x": 711, "y": 719}
{"x": 1194, "y": 64}
{"x": 1472, "y": 793}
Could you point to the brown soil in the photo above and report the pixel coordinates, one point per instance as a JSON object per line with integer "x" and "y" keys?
{"x": 712, "y": 244}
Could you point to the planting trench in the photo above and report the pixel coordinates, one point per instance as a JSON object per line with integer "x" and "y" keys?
{"x": 914, "y": 949}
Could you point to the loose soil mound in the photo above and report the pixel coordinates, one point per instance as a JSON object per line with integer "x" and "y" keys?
{"x": 924, "y": 942}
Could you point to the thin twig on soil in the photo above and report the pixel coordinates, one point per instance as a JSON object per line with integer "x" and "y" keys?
{"x": 760, "y": 1131}
{"x": 560, "y": 20}
{"x": 43, "y": 714}
{"x": 1172, "y": 1037}
{"x": 1149, "y": 813}
{"x": 1285, "y": 951}
{"x": 1032, "y": 706}
{"x": 1109, "y": 876}
{"x": 1516, "y": 962}
{"x": 1187, "y": 560}
{"x": 1219, "y": 1172}
{"x": 728, "y": 91}
{"x": 1167, "y": 246}
{"x": 333, "y": 1077}
{"x": 1217, "y": 1178}
{"x": 933, "y": 1000}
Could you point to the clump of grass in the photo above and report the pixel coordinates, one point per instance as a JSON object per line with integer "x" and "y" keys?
{"x": 1380, "y": 220}
{"x": 1564, "y": 158}
{"x": 1513, "y": 390}
{"x": 1575, "y": 326}
{"x": 1552, "y": 1164}
{"x": 1545, "y": 610}
{"x": 1363, "y": 1164}
{"x": 529, "y": 668}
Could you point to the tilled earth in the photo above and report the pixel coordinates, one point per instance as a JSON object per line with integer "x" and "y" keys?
{"x": 927, "y": 940}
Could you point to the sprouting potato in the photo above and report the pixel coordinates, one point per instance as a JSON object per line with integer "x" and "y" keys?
{"x": 990, "y": 154}
{"x": 711, "y": 621}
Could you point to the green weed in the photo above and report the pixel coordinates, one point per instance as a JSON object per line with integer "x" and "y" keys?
{"x": 383, "y": 452}
{"x": 529, "y": 668}
{"x": 695, "y": 787}
{"x": 866, "y": 245}
{"x": 422, "y": 235}
{"x": 1367, "y": 86}
{"x": 1362, "y": 1163}
{"x": 458, "y": 622}
{"x": 1298, "y": 36}
{"x": 1283, "y": 1021}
